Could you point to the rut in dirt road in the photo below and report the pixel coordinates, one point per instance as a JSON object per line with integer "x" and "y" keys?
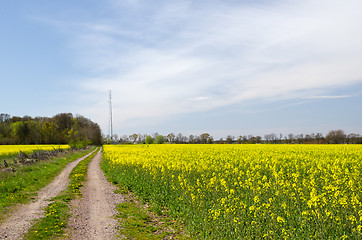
{"x": 92, "y": 216}
{"x": 16, "y": 225}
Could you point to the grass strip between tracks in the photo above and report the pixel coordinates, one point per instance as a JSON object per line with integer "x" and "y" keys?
{"x": 57, "y": 213}
{"x": 21, "y": 186}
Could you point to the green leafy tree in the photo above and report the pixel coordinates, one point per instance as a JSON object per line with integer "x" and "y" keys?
{"x": 21, "y": 132}
{"x": 205, "y": 138}
{"x": 48, "y": 132}
{"x": 149, "y": 140}
{"x": 160, "y": 139}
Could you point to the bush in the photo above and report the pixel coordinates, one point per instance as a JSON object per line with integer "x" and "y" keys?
{"x": 78, "y": 144}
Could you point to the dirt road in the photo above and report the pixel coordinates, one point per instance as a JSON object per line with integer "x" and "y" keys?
{"x": 19, "y": 222}
{"x": 92, "y": 216}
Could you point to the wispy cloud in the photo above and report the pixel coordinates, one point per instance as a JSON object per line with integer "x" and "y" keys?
{"x": 169, "y": 58}
{"x": 198, "y": 99}
{"x": 329, "y": 97}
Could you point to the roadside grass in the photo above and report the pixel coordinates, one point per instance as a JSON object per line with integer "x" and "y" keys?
{"x": 8, "y": 158}
{"x": 22, "y": 185}
{"x": 57, "y": 213}
{"x": 140, "y": 220}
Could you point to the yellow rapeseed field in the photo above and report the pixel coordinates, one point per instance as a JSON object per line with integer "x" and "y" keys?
{"x": 248, "y": 191}
{"x": 8, "y": 150}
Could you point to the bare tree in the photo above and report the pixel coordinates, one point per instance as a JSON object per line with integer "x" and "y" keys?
{"x": 124, "y": 138}
{"x": 319, "y": 137}
{"x": 230, "y": 139}
{"x": 353, "y": 138}
{"x": 290, "y": 137}
{"x": 191, "y": 139}
{"x": 170, "y": 137}
{"x": 180, "y": 138}
{"x": 336, "y": 136}
{"x": 267, "y": 138}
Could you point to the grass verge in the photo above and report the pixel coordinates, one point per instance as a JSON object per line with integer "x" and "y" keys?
{"x": 21, "y": 186}
{"x": 57, "y": 213}
{"x": 140, "y": 220}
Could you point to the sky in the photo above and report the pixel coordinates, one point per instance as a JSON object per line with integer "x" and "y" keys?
{"x": 224, "y": 67}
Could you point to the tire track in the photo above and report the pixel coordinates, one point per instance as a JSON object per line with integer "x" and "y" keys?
{"x": 92, "y": 216}
{"x": 16, "y": 225}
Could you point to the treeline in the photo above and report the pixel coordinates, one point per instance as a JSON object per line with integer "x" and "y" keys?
{"x": 333, "y": 137}
{"x": 62, "y": 128}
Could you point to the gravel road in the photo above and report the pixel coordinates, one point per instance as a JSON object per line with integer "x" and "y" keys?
{"x": 19, "y": 221}
{"x": 92, "y": 215}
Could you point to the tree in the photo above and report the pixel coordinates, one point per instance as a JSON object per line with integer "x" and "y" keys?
{"x": 192, "y": 139}
{"x": 197, "y": 139}
{"x": 273, "y": 137}
{"x": 124, "y": 139}
{"x": 336, "y": 136}
{"x": 171, "y": 137}
{"x": 300, "y": 138}
{"x": 62, "y": 128}
{"x": 63, "y": 121}
{"x": 48, "y": 132}
{"x": 180, "y": 138}
{"x": 34, "y": 132}
{"x": 21, "y": 131}
{"x": 308, "y": 138}
{"x": 204, "y": 138}
{"x": 229, "y": 139}
{"x": 220, "y": 141}
{"x": 142, "y": 138}
{"x": 251, "y": 139}
{"x": 4, "y": 117}
{"x": 353, "y": 138}
{"x": 149, "y": 140}
{"x": 267, "y": 137}
{"x": 319, "y": 137}
{"x": 159, "y": 139}
{"x": 133, "y": 137}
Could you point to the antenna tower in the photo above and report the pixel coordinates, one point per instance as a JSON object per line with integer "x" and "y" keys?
{"x": 110, "y": 116}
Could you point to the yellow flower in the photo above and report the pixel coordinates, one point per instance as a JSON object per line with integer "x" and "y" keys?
{"x": 280, "y": 219}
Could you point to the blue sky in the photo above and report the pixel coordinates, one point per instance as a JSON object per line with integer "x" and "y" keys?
{"x": 223, "y": 67}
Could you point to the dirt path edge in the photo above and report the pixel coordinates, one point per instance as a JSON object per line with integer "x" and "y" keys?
{"x": 92, "y": 217}
{"x": 20, "y": 220}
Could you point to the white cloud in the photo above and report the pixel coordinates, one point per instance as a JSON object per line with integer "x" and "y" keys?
{"x": 198, "y": 98}
{"x": 329, "y": 97}
{"x": 180, "y": 57}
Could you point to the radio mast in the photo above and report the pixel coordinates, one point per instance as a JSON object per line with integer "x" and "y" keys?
{"x": 110, "y": 116}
